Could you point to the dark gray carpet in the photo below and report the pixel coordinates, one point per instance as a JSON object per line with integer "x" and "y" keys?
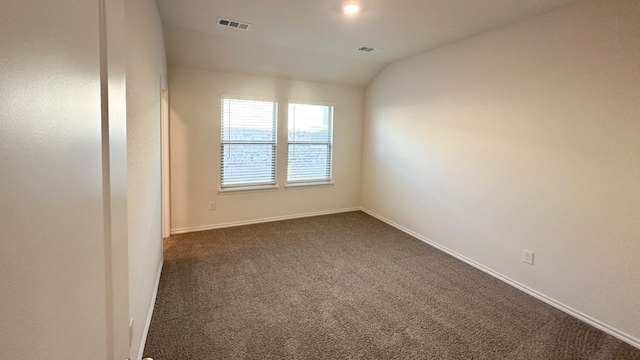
{"x": 348, "y": 286}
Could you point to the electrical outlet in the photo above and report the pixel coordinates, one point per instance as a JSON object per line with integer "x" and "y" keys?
{"x": 527, "y": 257}
{"x": 212, "y": 205}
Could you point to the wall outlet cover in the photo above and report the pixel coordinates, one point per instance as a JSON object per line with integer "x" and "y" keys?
{"x": 527, "y": 257}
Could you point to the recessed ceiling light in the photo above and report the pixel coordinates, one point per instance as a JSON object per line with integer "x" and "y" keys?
{"x": 351, "y": 9}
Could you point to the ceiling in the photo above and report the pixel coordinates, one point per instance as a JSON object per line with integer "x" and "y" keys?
{"x": 313, "y": 39}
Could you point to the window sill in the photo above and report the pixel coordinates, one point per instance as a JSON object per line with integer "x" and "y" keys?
{"x": 308, "y": 184}
{"x": 244, "y": 189}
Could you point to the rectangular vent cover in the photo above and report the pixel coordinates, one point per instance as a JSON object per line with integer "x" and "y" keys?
{"x": 368, "y": 49}
{"x": 233, "y": 24}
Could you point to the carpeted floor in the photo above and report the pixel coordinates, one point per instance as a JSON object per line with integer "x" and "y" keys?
{"x": 348, "y": 286}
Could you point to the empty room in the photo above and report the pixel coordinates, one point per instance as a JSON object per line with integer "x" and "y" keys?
{"x": 298, "y": 179}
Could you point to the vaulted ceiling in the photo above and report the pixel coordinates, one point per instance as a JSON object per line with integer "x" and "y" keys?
{"x": 314, "y": 40}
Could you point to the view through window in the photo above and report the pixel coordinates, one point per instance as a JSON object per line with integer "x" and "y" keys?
{"x": 310, "y": 141}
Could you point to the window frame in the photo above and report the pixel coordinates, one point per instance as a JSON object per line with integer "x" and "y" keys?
{"x": 330, "y": 144}
{"x": 274, "y": 144}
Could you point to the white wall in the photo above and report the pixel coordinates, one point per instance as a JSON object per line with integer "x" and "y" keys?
{"x": 146, "y": 64}
{"x": 195, "y": 149}
{"x": 526, "y": 137}
{"x": 62, "y": 182}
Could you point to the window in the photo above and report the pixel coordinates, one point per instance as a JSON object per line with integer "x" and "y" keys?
{"x": 310, "y": 140}
{"x": 248, "y": 142}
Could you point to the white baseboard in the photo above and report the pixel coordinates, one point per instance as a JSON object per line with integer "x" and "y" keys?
{"x": 629, "y": 339}
{"x": 258, "y": 221}
{"x": 150, "y": 314}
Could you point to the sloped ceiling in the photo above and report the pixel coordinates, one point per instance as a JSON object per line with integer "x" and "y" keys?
{"x": 313, "y": 39}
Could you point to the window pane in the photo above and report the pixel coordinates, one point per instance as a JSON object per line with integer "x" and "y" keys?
{"x": 310, "y": 142}
{"x": 309, "y": 162}
{"x": 248, "y": 121}
{"x": 248, "y": 164}
{"x": 310, "y": 123}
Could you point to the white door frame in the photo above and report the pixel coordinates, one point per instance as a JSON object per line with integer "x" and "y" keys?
{"x": 114, "y": 156}
{"x": 165, "y": 166}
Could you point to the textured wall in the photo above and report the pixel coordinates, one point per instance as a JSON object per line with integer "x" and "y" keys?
{"x": 195, "y": 149}
{"x": 527, "y": 137}
{"x": 146, "y": 64}
{"x": 55, "y": 292}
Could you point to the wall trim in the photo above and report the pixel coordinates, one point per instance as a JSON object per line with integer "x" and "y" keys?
{"x": 261, "y": 220}
{"x": 629, "y": 339}
{"x": 147, "y": 324}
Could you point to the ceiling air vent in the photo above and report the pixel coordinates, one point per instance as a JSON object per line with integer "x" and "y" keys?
{"x": 233, "y": 24}
{"x": 368, "y": 49}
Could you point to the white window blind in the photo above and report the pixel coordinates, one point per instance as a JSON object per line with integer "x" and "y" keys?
{"x": 248, "y": 142}
{"x": 310, "y": 141}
